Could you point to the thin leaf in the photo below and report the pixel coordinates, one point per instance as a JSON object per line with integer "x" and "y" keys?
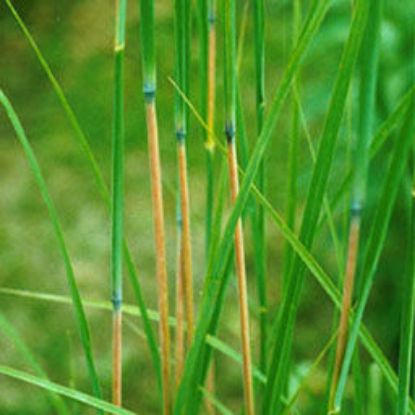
{"x": 80, "y": 316}
{"x": 64, "y": 391}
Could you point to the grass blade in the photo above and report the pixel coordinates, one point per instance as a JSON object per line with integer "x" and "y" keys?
{"x": 101, "y": 185}
{"x": 182, "y": 29}
{"x": 369, "y": 64}
{"x": 230, "y": 128}
{"x": 258, "y": 230}
{"x": 377, "y": 238}
{"x": 283, "y": 330}
{"x": 117, "y": 200}
{"x": 64, "y": 391}
{"x": 407, "y": 313}
{"x": 80, "y": 316}
{"x": 217, "y": 280}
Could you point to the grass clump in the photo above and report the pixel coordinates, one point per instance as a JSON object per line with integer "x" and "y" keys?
{"x": 255, "y": 290}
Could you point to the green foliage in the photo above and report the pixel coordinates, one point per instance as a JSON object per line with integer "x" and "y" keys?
{"x": 336, "y": 66}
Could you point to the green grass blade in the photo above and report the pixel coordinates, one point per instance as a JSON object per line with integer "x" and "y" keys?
{"x": 101, "y": 185}
{"x": 117, "y": 200}
{"x": 258, "y": 222}
{"x": 377, "y": 237}
{"x": 283, "y": 330}
{"x": 407, "y": 314}
{"x": 147, "y": 43}
{"x": 293, "y": 152}
{"x": 73, "y": 287}
{"x": 9, "y": 331}
{"x": 323, "y": 280}
{"x": 379, "y": 140}
{"x": 64, "y": 391}
{"x": 367, "y": 110}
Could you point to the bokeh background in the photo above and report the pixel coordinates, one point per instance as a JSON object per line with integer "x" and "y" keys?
{"x": 77, "y": 37}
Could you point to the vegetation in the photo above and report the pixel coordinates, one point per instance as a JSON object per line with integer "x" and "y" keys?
{"x": 282, "y": 224}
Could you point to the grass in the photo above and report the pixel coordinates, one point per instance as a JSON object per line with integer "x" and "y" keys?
{"x": 149, "y": 82}
{"x": 256, "y": 290}
{"x": 118, "y": 200}
{"x": 229, "y": 30}
{"x": 369, "y": 66}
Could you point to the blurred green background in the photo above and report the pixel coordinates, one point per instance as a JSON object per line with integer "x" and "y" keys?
{"x": 77, "y": 37}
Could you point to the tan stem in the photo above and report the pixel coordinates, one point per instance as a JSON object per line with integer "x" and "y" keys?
{"x": 117, "y": 358}
{"x": 162, "y": 280}
{"x": 242, "y": 286}
{"x": 353, "y": 248}
{"x": 186, "y": 240}
{"x": 179, "y": 313}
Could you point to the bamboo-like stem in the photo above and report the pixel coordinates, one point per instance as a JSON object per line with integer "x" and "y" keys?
{"x": 230, "y": 86}
{"x": 182, "y": 32}
{"x": 118, "y": 200}
{"x": 158, "y": 219}
{"x": 149, "y": 88}
{"x": 242, "y": 285}
{"x": 186, "y": 250}
{"x": 349, "y": 279}
{"x": 361, "y": 160}
{"x": 117, "y": 358}
{"x": 179, "y": 352}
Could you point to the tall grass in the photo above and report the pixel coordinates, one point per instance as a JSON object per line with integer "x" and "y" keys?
{"x": 229, "y": 30}
{"x": 197, "y": 339}
{"x": 368, "y": 79}
{"x": 80, "y": 316}
{"x": 259, "y": 236}
{"x": 182, "y": 21}
{"x": 149, "y": 88}
{"x": 118, "y": 200}
{"x": 83, "y": 143}
{"x": 283, "y": 330}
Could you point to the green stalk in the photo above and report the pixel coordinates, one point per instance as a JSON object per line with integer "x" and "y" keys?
{"x": 117, "y": 205}
{"x": 182, "y": 31}
{"x": 149, "y": 89}
{"x": 80, "y": 316}
{"x": 207, "y": 58}
{"x": 230, "y": 127}
{"x": 284, "y": 327}
{"x": 382, "y": 135}
{"x": 376, "y": 240}
{"x": 293, "y": 151}
{"x": 369, "y": 66}
{"x": 258, "y": 230}
{"x": 100, "y": 183}
{"x": 407, "y": 312}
